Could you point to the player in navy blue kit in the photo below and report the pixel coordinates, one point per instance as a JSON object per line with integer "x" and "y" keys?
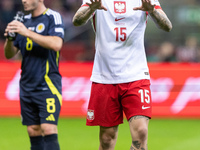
{"x": 40, "y": 38}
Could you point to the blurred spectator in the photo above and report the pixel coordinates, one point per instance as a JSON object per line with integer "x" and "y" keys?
{"x": 7, "y": 13}
{"x": 198, "y": 54}
{"x": 164, "y": 53}
{"x": 188, "y": 52}
{"x": 151, "y": 52}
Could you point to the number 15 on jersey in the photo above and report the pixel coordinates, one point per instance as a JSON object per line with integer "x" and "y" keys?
{"x": 120, "y": 33}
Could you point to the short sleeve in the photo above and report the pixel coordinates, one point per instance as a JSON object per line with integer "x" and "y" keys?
{"x": 56, "y": 26}
{"x": 156, "y": 2}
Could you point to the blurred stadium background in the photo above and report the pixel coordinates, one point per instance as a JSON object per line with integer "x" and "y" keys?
{"x": 173, "y": 60}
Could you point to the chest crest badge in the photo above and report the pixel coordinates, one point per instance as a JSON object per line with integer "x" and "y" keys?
{"x": 40, "y": 28}
{"x": 120, "y": 7}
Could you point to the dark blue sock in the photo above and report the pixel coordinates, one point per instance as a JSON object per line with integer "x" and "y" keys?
{"x": 51, "y": 142}
{"x": 37, "y": 143}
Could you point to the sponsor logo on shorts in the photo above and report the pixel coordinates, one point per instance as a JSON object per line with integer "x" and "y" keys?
{"x": 90, "y": 114}
{"x": 143, "y": 107}
{"x": 50, "y": 118}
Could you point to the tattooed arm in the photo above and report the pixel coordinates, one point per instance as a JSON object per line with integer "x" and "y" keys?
{"x": 84, "y": 13}
{"x": 158, "y": 15}
{"x": 82, "y": 16}
{"x": 161, "y": 19}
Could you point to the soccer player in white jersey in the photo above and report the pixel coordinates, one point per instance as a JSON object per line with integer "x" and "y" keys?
{"x": 120, "y": 76}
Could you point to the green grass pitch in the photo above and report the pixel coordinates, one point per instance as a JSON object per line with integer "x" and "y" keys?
{"x": 164, "y": 134}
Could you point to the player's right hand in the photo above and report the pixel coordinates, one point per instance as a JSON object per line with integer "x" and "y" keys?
{"x": 17, "y": 27}
{"x": 6, "y": 31}
{"x": 96, "y": 4}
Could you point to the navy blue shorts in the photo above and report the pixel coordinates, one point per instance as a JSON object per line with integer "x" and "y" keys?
{"x": 40, "y": 108}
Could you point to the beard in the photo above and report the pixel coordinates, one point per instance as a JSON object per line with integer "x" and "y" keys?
{"x": 29, "y": 8}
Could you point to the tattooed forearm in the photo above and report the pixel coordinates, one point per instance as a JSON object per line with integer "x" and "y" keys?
{"x": 82, "y": 16}
{"x": 161, "y": 20}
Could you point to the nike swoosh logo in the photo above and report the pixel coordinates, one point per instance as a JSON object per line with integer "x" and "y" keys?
{"x": 145, "y": 107}
{"x": 116, "y": 19}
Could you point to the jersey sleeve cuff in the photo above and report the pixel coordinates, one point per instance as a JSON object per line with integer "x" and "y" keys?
{"x": 157, "y": 7}
{"x": 84, "y": 5}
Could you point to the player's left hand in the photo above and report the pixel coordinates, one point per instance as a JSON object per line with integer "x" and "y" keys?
{"x": 146, "y": 6}
{"x": 96, "y": 4}
{"x": 17, "y": 27}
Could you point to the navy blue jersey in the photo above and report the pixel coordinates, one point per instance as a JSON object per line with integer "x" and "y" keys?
{"x": 40, "y": 65}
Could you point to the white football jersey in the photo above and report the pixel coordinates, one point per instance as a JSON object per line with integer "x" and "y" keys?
{"x": 120, "y": 55}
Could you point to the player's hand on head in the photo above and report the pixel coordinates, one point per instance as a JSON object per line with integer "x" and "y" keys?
{"x": 96, "y": 4}
{"x": 146, "y": 6}
{"x": 17, "y": 27}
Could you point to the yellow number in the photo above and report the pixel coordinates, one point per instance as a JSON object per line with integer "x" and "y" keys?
{"x": 51, "y": 108}
{"x": 29, "y": 44}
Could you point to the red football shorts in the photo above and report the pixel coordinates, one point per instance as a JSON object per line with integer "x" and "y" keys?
{"x": 109, "y": 101}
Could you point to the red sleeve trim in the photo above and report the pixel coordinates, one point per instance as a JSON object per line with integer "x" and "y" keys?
{"x": 94, "y": 24}
{"x": 157, "y": 7}
{"x": 84, "y": 5}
